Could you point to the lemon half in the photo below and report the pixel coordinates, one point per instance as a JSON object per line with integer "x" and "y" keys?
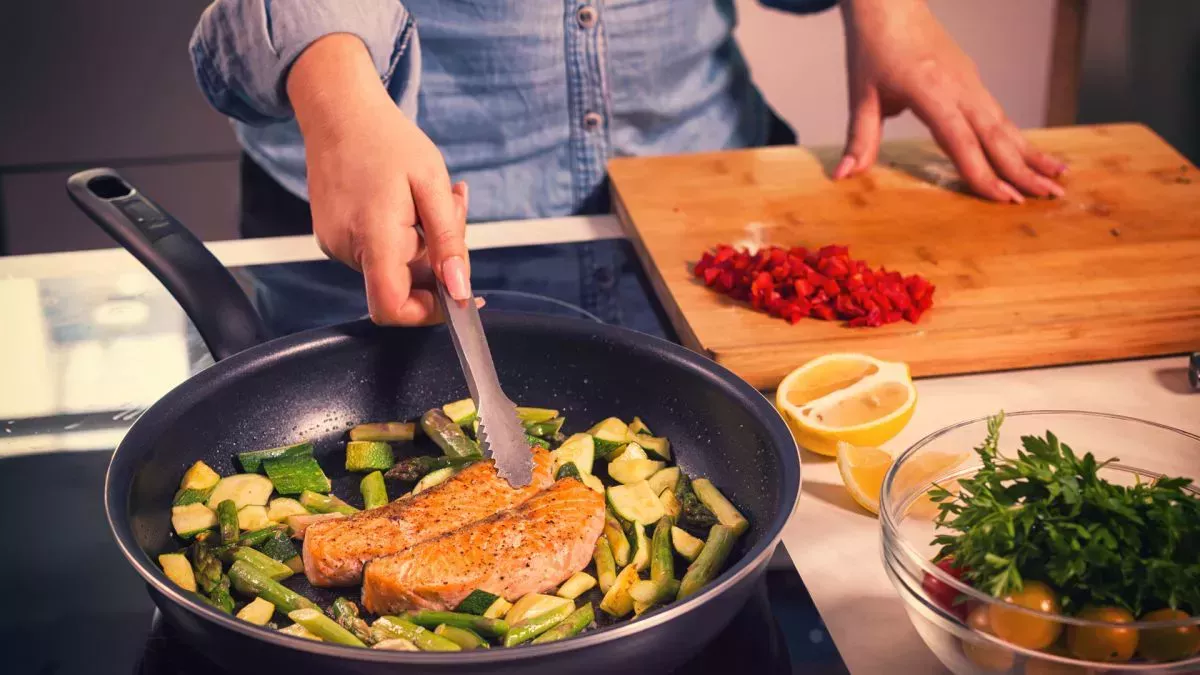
{"x": 846, "y": 397}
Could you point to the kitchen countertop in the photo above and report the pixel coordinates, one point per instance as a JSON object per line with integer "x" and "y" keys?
{"x": 82, "y": 383}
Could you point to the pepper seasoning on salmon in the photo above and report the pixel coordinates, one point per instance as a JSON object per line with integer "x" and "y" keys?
{"x": 335, "y": 551}
{"x": 529, "y": 549}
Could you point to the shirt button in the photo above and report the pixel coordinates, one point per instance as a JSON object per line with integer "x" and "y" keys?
{"x": 592, "y": 120}
{"x": 586, "y": 16}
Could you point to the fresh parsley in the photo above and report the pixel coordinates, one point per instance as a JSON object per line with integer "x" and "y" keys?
{"x": 1048, "y": 515}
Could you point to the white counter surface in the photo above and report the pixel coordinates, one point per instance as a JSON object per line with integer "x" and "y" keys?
{"x": 91, "y": 339}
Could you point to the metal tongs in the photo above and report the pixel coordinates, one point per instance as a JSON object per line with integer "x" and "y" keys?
{"x": 501, "y": 435}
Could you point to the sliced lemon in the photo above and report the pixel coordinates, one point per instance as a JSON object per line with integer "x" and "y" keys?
{"x": 920, "y": 472}
{"x": 846, "y": 397}
{"x": 863, "y": 470}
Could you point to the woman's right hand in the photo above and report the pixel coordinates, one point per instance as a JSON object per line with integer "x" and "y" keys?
{"x": 372, "y": 175}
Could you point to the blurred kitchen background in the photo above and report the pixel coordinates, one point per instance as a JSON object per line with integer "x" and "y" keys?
{"x": 109, "y": 83}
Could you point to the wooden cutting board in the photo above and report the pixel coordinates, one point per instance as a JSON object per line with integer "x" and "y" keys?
{"x": 1110, "y": 271}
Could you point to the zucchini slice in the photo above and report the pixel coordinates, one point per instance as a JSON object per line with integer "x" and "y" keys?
{"x": 658, "y": 447}
{"x": 636, "y": 502}
{"x": 179, "y": 570}
{"x": 461, "y": 412}
{"x": 384, "y": 431}
{"x": 611, "y": 434}
{"x": 533, "y": 604}
{"x": 592, "y": 482}
{"x": 535, "y": 415}
{"x": 258, "y": 612}
{"x": 664, "y": 480}
{"x": 640, "y": 545}
{"x": 722, "y": 508}
{"x": 434, "y": 478}
{"x": 187, "y": 496}
{"x": 632, "y": 451}
{"x": 617, "y": 602}
{"x": 545, "y": 429}
{"x": 296, "y": 630}
{"x": 295, "y": 474}
{"x": 192, "y": 519}
{"x": 621, "y": 549}
{"x": 367, "y": 456}
{"x": 670, "y": 502}
{"x": 252, "y": 461}
{"x": 579, "y": 449}
{"x": 282, "y": 507}
{"x": 685, "y": 544}
{"x": 477, "y": 602}
{"x": 577, "y": 585}
{"x": 245, "y": 489}
{"x": 199, "y": 477}
{"x": 629, "y": 471}
{"x": 637, "y": 426}
{"x": 253, "y": 517}
{"x": 498, "y": 609}
{"x": 279, "y": 547}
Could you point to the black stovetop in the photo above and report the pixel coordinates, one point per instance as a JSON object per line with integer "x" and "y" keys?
{"x": 73, "y": 605}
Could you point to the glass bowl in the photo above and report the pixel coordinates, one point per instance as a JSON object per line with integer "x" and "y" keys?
{"x": 1145, "y": 450}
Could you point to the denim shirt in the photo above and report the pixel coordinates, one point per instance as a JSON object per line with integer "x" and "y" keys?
{"x": 526, "y": 99}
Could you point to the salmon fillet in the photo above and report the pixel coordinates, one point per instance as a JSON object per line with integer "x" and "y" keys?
{"x": 531, "y": 548}
{"x": 334, "y": 551}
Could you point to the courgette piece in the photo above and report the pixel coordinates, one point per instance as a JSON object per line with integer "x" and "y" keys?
{"x": 319, "y": 503}
{"x": 199, "y": 476}
{"x": 279, "y": 547}
{"x": 532, "y": 605}
{"x": 245, "y": 489}
{"x": 498, "y": 609}
{"x": 664, "y": 480}
{"x": 447, "y": 435}
{"x": 534, "y": 441}
{"x": 187, "y": 496}
{"x": 477, "y": 602}
{"x": 324, "y": 627}
{"x": 627, "y": 471}
{"x": 568, "y": 470}
{"x": 659, "y": 588}
{"x": 534, "y": 626}
{"x": 637, "y": 426}
{"x": 658, "y": 447}
{"x": 640, "y": 557}
{"x": 365, "y": 456}
{"x": 535, "y": 415}
{"x": 258, "y": 612}
{"x": 619, "y": 543}
{"x": 606, "y": 565}
{"x": 463, "y": 637}
{"x": 611, "y": 435}
{"x": 671, "y": 588}
{"x": 394, "y": 627}
{"x": 669, "y": 502}
{"x": 282, "y": 507}
{"x": 252, "y": 461}
{"x": 296, "y": 630}
{"x": 710, "y": 561}
{"x": 293, "y": 475}
{"x": 631, "y": 451}
{"x": 434, "y": 478}
{"x": 694, "y": 516}
{"x": 250, "y": 518}
{"x": 384, "y": 431}
{"x": 579, "y": 583}
{"x": 545, "y": 429}
{"x": 179, "y": 570}
{"x": 263, "y": 562}
{"x": 636, "y": 502}
{"x": 298, "y": 524}
{"x": 374, "y": 490}
{"x": 579, "y": 449}
{"x": 617, "y": 602}
{"x": 250, "y": 580}
{"x": 397, "y": 645}
{"x": 593, "y": 482}
{"x": 461, "y": 412}
{"x": 192, "y": 519}
{"x": 415, "y": 468}
{"x": 726, "y": 513}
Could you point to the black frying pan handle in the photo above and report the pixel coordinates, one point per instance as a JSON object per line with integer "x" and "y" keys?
{"x": 207, "y": 291}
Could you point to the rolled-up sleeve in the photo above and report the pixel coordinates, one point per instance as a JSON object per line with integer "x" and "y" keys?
{"x": 242, "y": 49}
{"x": 799, "y": 6}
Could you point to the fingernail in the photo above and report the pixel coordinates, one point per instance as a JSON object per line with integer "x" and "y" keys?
{"x": 1062, "y": 170}
{"x": 1055, "y": 189}
{"x": 844, "y": 167}
{"x": 454, "y": 275}
{"x": 1011, "y": 192}
{"x": 479, "y": 303}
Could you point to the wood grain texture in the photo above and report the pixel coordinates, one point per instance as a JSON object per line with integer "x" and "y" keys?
{"x": 1110, "y": 271}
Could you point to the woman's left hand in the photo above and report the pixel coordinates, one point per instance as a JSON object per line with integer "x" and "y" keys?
{"x": 899, "y": 57}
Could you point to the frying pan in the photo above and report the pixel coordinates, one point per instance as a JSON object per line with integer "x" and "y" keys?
{"x": 314, "y": 385}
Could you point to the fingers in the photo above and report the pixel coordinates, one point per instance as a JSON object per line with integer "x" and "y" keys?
{"x": 956, "y": 136}
{"x": 862, "y": 136}
{"x": 383, "y": 255}
{"x": 439, "y": 210}
{"x": 1006, "y": 149}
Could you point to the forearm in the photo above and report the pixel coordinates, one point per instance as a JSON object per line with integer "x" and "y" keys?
{"x": 331, "y": 82}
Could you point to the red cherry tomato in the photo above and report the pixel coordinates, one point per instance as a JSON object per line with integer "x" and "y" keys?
{"x": 942, "y": 594}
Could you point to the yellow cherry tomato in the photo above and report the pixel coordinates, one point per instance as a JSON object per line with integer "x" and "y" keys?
{"x": 988, "y": 656}
{"x": 1024, "y": 630}
{"x": 1169, "y": 644}
{"x": 1109, "y": 644}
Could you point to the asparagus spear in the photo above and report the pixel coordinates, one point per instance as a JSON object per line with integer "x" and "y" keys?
{"x": 448, "y": 435}
{"x": 384, "y": 431}
{"x": 415, "y": 468}
{"x": 483, "y": 625}
{"x": 710, "y": 561}
{"x": 662, "y": 557}
{"x": 392, "y": 627}
{"x": 606, "y": 566}
{"x": 569, "y": 627}
{"x": 250, "y": 580}
{"x": 319, "y": 503}
{"x": 534, "y": 626}
{"x": 324, "y": 627}
{"x": 534, "y": 440}
{"x": 373, "y": 490}
{"x": 265, "y": 563}
{"x": 207, "y": 566}
{"x": 257, "y": 537}
{"x": 220, "y": 596}
{"x": 227, "y": 518}
{"x": 463, "y": 637}
{"x": 544, "y": 429}
{"x": 694, "y": 516}
{"x": 345, "y": 612}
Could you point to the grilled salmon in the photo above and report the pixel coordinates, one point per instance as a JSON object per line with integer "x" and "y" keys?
{"x": 334, "y": 551}
{"x": 531, "y": 548}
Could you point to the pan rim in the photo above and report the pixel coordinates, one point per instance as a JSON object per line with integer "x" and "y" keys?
{"x": 315, "y": 339}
